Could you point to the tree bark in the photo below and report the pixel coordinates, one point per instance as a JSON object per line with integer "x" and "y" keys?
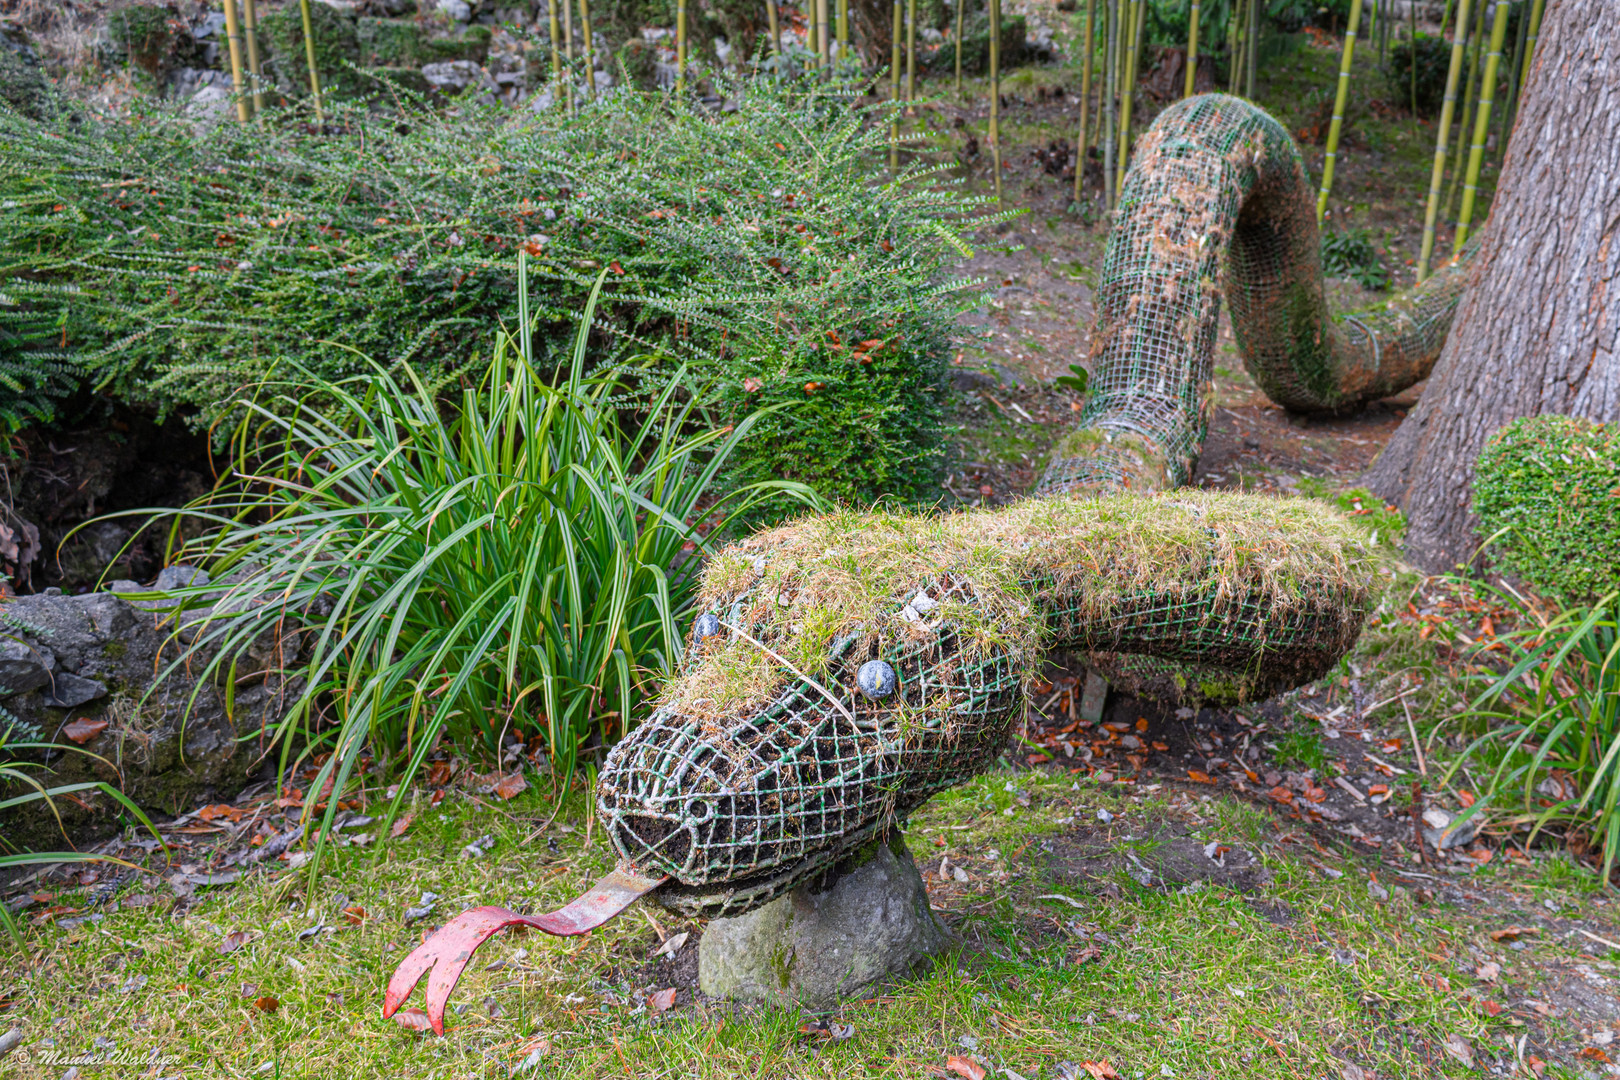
{"x": 1539, "y": 328}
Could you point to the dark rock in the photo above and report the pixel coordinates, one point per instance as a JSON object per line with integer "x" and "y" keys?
{"x": 967, "y": 380}
{"x": 171, "y": 578}
{"x": 69, "y": 691}
{"x": 867, "y": 919}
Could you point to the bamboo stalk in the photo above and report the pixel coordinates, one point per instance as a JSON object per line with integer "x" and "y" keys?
{"x": 1411, "y": 27}
{"x": 911, "y": 55}
{"x": 776, "y": 28}
{"x": 843, "y": 29}
{"x": 309, "y": 56}
{"x": 1251, "y": 52}
{"x": 1475, "y": 34}
{"x": 590, "y": 48}
{"x": 894, "y": 92}
{"x": 1128, "y": 92}
{"x": 1339, "y": 100}
{"x": 1431, "y": 211}
{"x": 556, "y": 54}
{"x": 1482, "y": 125}
{"x": 1504, "y": 123}
{"x": 680, "y": 46}
{"x": 568, "y": 53}
{"x": 250, "y": 19}
{"x": 1234, "y": 44}
{"x": 1090, "y": 38}
{"x": 956, "y": 32}
{"x": 1530, "y": 41}
{"x": 1110, "y": 80}
{"x": 1192, "y": 50}
{"x": 995, "y": 92}
{"x": 823, "y": 26}
{"x": 233, "y": 39}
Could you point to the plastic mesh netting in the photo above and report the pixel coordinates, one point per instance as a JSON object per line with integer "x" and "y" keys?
{"x": 774, "y": 752}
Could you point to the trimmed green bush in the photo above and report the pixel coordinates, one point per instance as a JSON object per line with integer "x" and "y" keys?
{"x": 1551, "y": 485}
{"x": 172, "y": 268}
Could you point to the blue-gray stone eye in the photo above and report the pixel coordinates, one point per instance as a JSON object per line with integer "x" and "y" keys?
{"x": 876, "y": 679}
{"x": 708, "y": 625}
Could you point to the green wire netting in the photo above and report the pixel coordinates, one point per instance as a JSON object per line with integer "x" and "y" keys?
{"x": 765, "y": 762}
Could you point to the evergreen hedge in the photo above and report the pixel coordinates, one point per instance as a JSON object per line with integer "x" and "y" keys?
{"x": 173, "y": 267}
{"x": 1553, "y": 484}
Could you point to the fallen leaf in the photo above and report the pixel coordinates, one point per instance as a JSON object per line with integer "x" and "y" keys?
{"x": 1488, "y": 971}
{"x": 661, "y": 1000}
{"x": 1459, "y": 1048}
{"x": 398, "y": 828}
{"x": 1199, "y": 777}
{"x": 1514, "y": 933}
{"x": 414, "y": 1019}
{"x": 1541, "y": 1008}
{"x": 234, "y": 940}
{"x": 354, "y": 914}
{"x": 1101, "y": 1070}
{"x": 510, "y": 787}
{"x": 673, "y": 945}
{"x": 221, "y": 810}
{"x": 267, "y": 1004}
{"x": 1356, "y": 1072}
{"x": 1436, "y": 982}
{"x": 1466, "y": 798}
{"x": 1592, "y": 1053}
{"x": 967, "y": 1067}
{"x": 82, "y": 731}
{"x": 1281, "y": 794}
{"x": 438, "y": 774}
{"x": 1491, "y": 1008}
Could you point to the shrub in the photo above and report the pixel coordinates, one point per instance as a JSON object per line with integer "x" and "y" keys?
{"x": 1350, "y": 254}
{"x": 179, "y": 267}
{"x": 1433, "y": 59}
{"x": 515, "y": 570}
{"x": 1550, "y": 486}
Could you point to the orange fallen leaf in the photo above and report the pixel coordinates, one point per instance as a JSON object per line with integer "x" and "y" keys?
{"x": 413, "y": 1019}
{"x": 1141, "y": 724}
{"x": 510, "y": 787}
{"x": 221, "y": 810}
{"x": 1038, "y": 759}
{"x": 1281, "y": 794}
{"x": 1514, "y": 933}
{"x": 661, "y": 1000}
{"x": 1199, "y": 777}
{"x": 1491, "y": 1008}
{"x": 82, "y": 731}
{"x": 233, "y": 941}
{"x": 267, "y": 1004}
{"x": 1466, "y": 798}
{"x": 967, "y": 1067}
{"x": 354, "y": 914}
{"x": 1161, "y": 747}
{"x": 398, "y": 828}
{"x": 1100, "y": 1070}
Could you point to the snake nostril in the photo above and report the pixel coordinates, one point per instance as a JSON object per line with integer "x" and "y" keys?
{"x": 875, "y": 679}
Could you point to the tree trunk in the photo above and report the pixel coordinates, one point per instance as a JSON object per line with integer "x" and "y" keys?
{"x": 1539, "y": 329}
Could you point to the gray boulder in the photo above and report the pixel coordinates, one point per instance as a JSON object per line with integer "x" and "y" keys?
{"x": 85, "y": 665}
{"x": 827, "y": 940}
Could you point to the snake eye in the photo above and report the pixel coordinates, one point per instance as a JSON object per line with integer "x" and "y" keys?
{"x": 876, "y": 679}
{"x": 708, "y": 625}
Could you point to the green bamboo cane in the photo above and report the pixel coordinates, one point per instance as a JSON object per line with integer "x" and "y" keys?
{"x": 1128, "y": 93}
{"x": 568, "y": 53}
{"x": 823, "y": 34}
{"x": 894, "y": 92}
{"x": 556, "y": 54}
{"x": 956, "y": 32}
{"x": 1192, "y": 50}
{"x": 1482, "y": 125}
{"x": 911, "y": 55}
{"x": 1530, "y": 41}
{"x": 590, "y": 48}
{"x": 1110, "y": 84}
{"x": 680, "y": 46}
{"x": 1475, "y": 34}
{"x": 1437, "y": 175}
{"x": 1090, "y": 38}
{"x": 233, "y": 40}
{"x": 1339, "y": 100}
{"x": 1411, "y": 10}
{"x": 250, "y": 18}
{"x": 995, "y": 92}
{"x": 843, "y": 29}
{"x": 776, "y": 28}
{"x": 1234, "y": 43}
{"x": 1251, "y": 51}
{"x": 1504, "y": 123}
{"x": 309, "y": 56}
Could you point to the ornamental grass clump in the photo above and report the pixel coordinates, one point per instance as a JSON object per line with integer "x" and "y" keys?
{"x": 518, "y": 566}
{"x": 1547, "y": 492}
{"x": 174, "y": 268}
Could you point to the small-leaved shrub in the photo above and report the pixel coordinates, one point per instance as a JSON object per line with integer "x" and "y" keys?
{"x": 1547, "y": 488}
{"x": 175, "y": 268}
{"x": 1432, "y": 55}
{"x": 1350, "y": 254}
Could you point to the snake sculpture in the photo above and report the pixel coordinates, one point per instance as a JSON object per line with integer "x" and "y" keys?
{"x": 845, "y": 668}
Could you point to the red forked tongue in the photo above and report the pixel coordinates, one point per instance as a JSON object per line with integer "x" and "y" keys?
{"x": 448, "y": 952}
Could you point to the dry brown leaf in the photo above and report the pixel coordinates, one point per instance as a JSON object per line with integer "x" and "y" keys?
{"x": 221, "y": 810}
{"x": 1101, "y": 1070}
{"x": 399, "y": 827}
{"x": 414, "y": 1019}
{"x": 234, "y": 940}
{"x": 1514, "y": 933}
{"x": 967, "y": 1067}
{"x": 1459, "y": 1048}
{"x": 510, "y": 787}
{"x": 267, "y": 1004}
{"x": 354, "y": 914}
{"x": 1356, "y": 1072}
{"x": 661, "y": 1000}
{"x": 82, "y": 731}
{"x": 1488, "y": 971}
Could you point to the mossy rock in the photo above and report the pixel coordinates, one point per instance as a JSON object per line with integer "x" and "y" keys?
{"x": 405, "y": 78}
{"x": 23, "y": 86}
{"x": 471, "y": 44}
{"x": 389, "y": 42}
{"x": 337, "y": 49}
{"x": 143, "y": 37}
{"x": 976, "y": 46}
{"x": 1551, "y": 486}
